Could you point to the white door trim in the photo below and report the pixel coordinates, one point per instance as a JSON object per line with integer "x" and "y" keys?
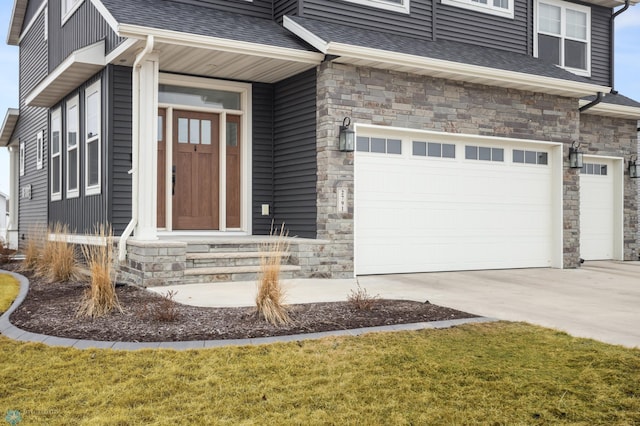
{"x": 246, "y": 187}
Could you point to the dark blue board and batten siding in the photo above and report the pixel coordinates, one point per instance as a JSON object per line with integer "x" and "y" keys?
{"x": 85, "y": 27}
{"x": 295, "y": 155}
{"x": 262, "y": 155}
{"x": 33, "y": 68}
{"x": 30, "y": 13}
{"x": 256, "y": 8}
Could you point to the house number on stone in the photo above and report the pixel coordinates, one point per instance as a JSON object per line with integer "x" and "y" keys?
{"x": 342, "y": 201}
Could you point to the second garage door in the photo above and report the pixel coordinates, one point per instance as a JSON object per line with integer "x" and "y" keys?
{"x": 423, "y": 204}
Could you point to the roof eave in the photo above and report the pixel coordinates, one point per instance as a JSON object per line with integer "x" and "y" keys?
{"x": 8, "y": 126}
{"x": 612, "y": 110}
{"x": 17, "y": 20}
{"x": 77, "y": 68}
{"x": 220, "y": 44}
{"x": 461, "y": 72}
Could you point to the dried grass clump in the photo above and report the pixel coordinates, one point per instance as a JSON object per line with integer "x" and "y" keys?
{"x": 270, "y": 298}
{"x": 164, "y": 310}
{"x": 100, "y": 298}
{"x": 361, "y": 300}
{"x": 6, "y": 254}
{"x": 59, "y": 260}
{"x": 36, "y": 238}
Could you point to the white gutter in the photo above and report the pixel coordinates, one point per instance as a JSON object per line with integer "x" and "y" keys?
{"x": 135, "y": 146}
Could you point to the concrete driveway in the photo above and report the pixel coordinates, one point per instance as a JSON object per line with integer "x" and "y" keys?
{"x": 601, "y": 300}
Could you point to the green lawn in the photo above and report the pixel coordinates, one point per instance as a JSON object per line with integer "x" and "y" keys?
{"x": 496, "y": 373}
{"x": 9, "y": 288}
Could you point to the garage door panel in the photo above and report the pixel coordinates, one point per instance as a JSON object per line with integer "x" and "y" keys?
{"x": 597, "y": 213}
{"x": 421, "y": 215}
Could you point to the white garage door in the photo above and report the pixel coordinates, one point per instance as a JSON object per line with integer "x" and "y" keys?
{"x": 597, "y": 209}
{"x": 423, "y": 206}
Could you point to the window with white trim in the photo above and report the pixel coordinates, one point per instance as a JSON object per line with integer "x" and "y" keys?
{"x": 73, "y": 160}
{"x": 502, "y": 8}
{"x": 56, "y": 157}
{"x": 563, "y": 35}
{"x": 393, "y": 5}
{"x": 93, "y": 124}
{"x": 39, "y": 149}
{"x": 67, "y": 8}
{"x": 22, "y": 157}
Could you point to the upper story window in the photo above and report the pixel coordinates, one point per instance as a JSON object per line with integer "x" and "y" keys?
{"x": 67, "y": 7}
{"x": 72, "y": 160}
{"x": 563, "y": 35}
{"x": 393, "y": 5}
{"x": 494, "y": 7}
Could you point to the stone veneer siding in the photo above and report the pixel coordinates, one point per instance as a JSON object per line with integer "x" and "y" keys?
{"x": 404, "y": 100}
{"x": 616, "y": 137}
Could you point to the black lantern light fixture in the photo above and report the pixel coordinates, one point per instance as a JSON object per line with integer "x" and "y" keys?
{"x": 633, "y": 167}
{"x": 347, "y": 136}
{"x": 575, "y": 156}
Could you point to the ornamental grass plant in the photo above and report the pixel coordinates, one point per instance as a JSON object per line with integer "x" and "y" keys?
{"x": 100, "y": 298}
{"x": 270, "y": 300}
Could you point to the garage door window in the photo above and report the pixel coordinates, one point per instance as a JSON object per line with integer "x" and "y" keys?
{"x": 379, "y": 145}
{"x": 530, "y": 157}
{"x": 434, "y": 149}
{"x": 483, "y": 153}
{"x": 594, "y": 169}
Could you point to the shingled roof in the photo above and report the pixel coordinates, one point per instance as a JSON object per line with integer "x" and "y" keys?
{"x": 204, "y": 21}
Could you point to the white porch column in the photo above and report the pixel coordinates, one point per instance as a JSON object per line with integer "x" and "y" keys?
{"x": 147, "y": 158}
{"x": 12, "y": 226}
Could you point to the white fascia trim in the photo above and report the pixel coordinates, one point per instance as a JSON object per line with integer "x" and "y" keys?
{"x": 305, "y": 34}
{"x": 612, "y": 110}
{"x": 33, "y": 20}
{"x": 220, "y": 44}
{"x": 8, "y": 126}
{"x": 108, "y": 17}
{"x": 17, "y": 19}
{"x": 93, "y": 54}
{"x": 122, "y": 48}
{"x": 446, "y": 136}
{"x": 463, "y": 70}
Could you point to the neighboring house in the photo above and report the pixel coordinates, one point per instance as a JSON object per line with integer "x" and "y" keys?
{"x": 4, "y": 216}
{"x": 209, "y": 120}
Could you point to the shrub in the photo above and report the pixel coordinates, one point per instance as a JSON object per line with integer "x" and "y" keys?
{"x": 100, "y": 298}
{"x": 270, "y": 298}
{"x": 59, "y": 260}
{"x": 164, "y": 310}
{"x": 361, "y": 300}
{"x": 33, "y": 250}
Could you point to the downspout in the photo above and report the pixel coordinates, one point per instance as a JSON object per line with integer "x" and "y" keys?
{"x": 593, "y": 103}
{"x": 135, "y": 145}
{"x": 612, "y": 45}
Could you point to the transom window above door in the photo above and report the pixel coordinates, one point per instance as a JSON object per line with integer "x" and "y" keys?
{"x": 199, "y": 97}
{"x": 563, "y": 35}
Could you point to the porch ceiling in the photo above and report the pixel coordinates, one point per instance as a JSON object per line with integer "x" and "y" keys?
{"x": 219, "y": 64}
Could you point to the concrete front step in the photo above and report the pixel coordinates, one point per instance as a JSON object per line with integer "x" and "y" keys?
{"x": 221, "y": 259}
{"x": 233, "y": 273}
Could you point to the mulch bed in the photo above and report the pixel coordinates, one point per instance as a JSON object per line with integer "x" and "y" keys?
{"x": 148, "y": 317}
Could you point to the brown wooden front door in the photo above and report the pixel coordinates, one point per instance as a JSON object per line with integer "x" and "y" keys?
{"x": 196, "y": 189}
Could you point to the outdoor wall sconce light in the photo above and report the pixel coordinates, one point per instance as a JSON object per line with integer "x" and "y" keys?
{"x": 633, "y": 168}
{"x": 575, "y": 156}
{"x": 347, "y": 136}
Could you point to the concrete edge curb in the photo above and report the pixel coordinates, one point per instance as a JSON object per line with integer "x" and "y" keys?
{"x": 12, "y": 332}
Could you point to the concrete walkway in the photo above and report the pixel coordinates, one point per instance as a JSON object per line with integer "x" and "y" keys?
{"x": 601, "y": 300}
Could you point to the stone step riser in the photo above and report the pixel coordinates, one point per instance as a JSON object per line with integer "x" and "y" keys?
{"x": 222, "y": 248}
{"x": 201, "y": 279}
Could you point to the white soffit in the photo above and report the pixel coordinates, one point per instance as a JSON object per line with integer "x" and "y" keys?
{"x": 73, "y": 71}
{"x": 8, "y": 126}
{"x": 612, "y": 110}
{"x": 610, "y": 3}
{"x": 220, "y": 58}
{"x": 17, "y": 19}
